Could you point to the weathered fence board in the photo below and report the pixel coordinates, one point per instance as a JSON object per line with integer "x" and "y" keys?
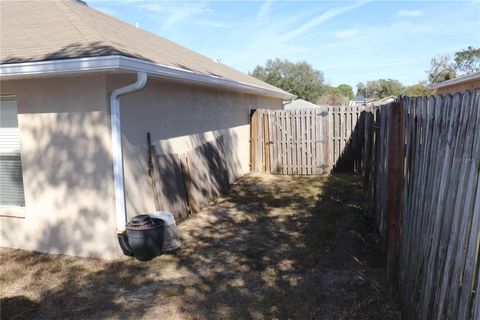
{"x": 395, "y": 184}
{"x": 438, "y": 253}
{"x": 421, "y": 163}
{"x": 184, "y": 183}
{"x": 206, "y": 173}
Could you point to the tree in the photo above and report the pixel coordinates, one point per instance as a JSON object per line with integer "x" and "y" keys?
{"x": 346, "y": 90}
{"x": 467, "y": 60}
{"x": 441, "y": 69}
{"x": 389, "y": 87}
{"x": 298, "y": 78}
{"x": 420, "y": 89}
{"x": 380, "y": 88}
{"x": 332, "y": 96}
{"x": 361, "y": 89}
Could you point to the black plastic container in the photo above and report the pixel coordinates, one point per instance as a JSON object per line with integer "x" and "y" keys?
{"x": 124, "y": 245}
{"x": 145, "y": 237}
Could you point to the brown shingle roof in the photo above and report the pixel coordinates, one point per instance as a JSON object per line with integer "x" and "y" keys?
{"x": 61, "y": 29}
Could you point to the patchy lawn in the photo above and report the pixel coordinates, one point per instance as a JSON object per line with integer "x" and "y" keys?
{"x": 276, "y": 247}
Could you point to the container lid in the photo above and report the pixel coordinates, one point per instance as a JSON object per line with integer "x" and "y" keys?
{"x": 165, "y": 216}
{"x": 141, "y": 221}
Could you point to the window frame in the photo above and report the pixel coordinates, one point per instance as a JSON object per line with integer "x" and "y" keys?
{"x": 14, "y": 210}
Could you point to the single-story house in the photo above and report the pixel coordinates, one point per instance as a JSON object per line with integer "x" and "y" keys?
{"x": 300, "y": 104}
{"x": 361, "y": 100}
{"x": 382, "y": 101}
{"x": 80, "y": 90}
{"x": 460, "y": 84}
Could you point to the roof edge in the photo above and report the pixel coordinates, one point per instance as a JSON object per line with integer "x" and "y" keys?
{"x": 465, "y": 78}
{"x": 10, "y": 71}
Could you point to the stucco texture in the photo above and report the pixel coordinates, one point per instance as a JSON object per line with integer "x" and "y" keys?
{"x": 460, "y": 87}
{"x": 66, "y": 152}
{"x": 180, "y": 117}
{"x": 67, "y": 171}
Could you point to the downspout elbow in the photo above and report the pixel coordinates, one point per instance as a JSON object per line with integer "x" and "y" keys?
{"x": 137, "y": 85}
{"x": 117, "y": 153}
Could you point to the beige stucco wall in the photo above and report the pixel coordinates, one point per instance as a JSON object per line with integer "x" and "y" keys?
{"x": 66, "y": 153}
{"x": 460, "y": 87}
{"x": 67, "y": 171}
{"x": 180, "y": 117}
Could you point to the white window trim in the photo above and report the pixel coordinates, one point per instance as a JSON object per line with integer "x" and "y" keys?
{"x": 13, "y": 211}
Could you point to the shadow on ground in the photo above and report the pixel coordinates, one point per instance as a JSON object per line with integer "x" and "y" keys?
{"x": 276, "y": 247}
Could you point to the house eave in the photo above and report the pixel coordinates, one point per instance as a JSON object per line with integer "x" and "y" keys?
{"x": 118, "y": 63}
{"x": 459, "y": 80}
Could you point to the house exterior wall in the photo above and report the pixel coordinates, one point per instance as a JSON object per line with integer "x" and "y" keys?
{"x": 66, "y": 153}
{"x": 180, "y": 117}
{"x": 460, "y": 87}
{"x": 67, "y": 169}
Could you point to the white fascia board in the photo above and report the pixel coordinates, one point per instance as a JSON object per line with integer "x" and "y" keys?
{"x": 52, "y": 67}
{"x": 181, "y": 74}
{"x": 121, "y": 63}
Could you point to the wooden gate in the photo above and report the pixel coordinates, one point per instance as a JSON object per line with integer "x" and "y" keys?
{"x": 290, "y": 142}
{"x": 312, "y": 141}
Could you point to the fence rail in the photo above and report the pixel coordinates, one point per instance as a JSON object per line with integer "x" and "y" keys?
{"x": 426, "y": 153}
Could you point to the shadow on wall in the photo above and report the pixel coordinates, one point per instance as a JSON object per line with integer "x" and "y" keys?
{"x": 184, "y": 121}
{"x": 68, "y": 177}
{"x": 78, "y": 50}
{"x": 68, "y": 185}
{"x": 185, "y": 183}
{"x": 178, "y": 109}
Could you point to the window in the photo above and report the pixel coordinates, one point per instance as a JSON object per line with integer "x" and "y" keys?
{"x": 11, "y": 180}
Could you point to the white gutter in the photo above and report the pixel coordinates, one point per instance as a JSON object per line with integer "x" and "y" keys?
{"x": 126, "y": 64}
{"x": 118, "y": 178}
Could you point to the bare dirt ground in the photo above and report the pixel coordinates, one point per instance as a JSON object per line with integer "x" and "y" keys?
{"x": 275, "y": 247}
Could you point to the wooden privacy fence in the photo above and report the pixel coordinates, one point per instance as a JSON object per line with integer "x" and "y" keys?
{"x": 306, "y": 142}
{"x": 422, "y": 164}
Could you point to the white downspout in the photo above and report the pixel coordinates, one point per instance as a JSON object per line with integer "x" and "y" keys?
{"x": 119, "y": 182}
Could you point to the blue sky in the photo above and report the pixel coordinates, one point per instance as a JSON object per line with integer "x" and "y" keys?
{"x": 348, "y": 41}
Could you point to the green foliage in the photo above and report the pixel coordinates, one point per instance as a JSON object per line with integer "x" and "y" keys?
{"x": 441, "y": 69}
{"x": 332, "y": 96}
{"x": 362, "y": 89}
{"x": 346, "y": 90}
{"x": 298, "y": 78}
{"x": 468, "y": 60}
{"x": 380, "y": 88}
{"x": 336, "y": 96}
{"x": 417, "y": 90}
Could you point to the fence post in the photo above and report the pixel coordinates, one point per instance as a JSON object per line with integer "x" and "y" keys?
{"x": 253, "y": 139}
{"x": 266, "y": 141}
{"x": 395, "y": 181}
{"x": 367, "y": 145}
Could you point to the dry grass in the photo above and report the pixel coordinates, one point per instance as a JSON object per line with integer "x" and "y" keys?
{"x": 273, "y": 248}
